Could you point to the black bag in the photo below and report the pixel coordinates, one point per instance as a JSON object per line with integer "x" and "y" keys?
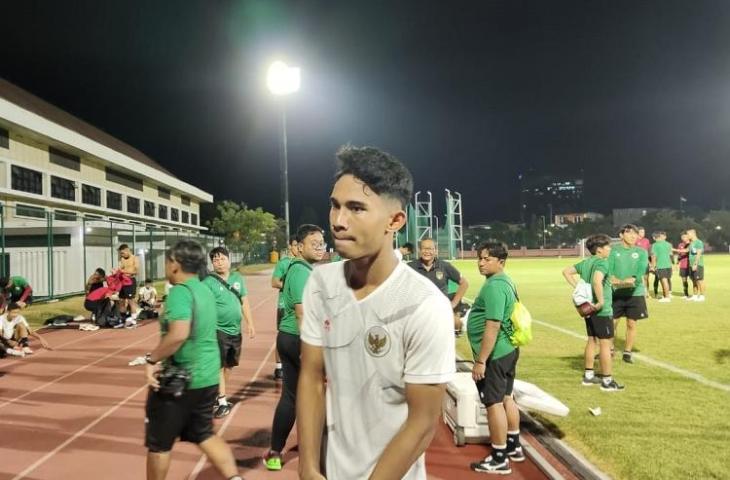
{"x": 174, "y": 380}
{"x": 108, "y": 316}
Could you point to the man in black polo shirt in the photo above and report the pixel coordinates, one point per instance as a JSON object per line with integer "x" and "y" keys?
{"x": 440, "y": 272}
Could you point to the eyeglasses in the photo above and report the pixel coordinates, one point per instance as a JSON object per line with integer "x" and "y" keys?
{"x": 319, "y": 246}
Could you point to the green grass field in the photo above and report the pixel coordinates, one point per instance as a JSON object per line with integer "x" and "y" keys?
{"x": 664, "y": 425}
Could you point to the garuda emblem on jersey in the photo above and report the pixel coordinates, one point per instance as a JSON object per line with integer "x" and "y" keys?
{"x": 439, "y": 275}
{"x": 377, "y": 341}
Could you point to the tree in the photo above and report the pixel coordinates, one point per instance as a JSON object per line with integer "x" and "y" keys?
{"x": 245, "y": 230}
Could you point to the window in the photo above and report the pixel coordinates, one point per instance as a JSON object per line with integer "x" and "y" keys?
{"x": 123, "y": 179}
{"x": 63, "y": 189}
{"x": 163, "y": 193}
{"x": 59, "y": 240}
{"x": 92, "y": 217}
{"x": 29, "y": 211}
{"x": 64, "y": 216}
{"x": 162, "y": 211}
{"x": 194, "y": 218}
{"x": 27, "y": 180}
{"x": 132, "y": 205}
{"x": 59, "y": 157}
{"x": 174, "y": 215}
{"x": 185, "y": 217}
{"x": 114, "y": 200}
{"x": 185, "y": 200}
{"x": 149, "y": 209}
{"x": 4, "y": 138}
{"x": 91, "y": 195}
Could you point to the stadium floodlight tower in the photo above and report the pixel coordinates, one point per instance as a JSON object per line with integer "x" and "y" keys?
{"x": 283, "y": 80}
{"x": 454, "y": 223}
{"x": 424, "y": 217}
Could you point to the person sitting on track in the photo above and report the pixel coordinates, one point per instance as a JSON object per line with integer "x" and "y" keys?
{"x": 15, "y": 331}
{"x": 147, "y": 300}
{"x": 182, "y": 408}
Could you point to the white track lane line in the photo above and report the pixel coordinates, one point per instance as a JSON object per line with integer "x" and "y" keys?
{"x": 48, "y": 455}
{"x": 56, "y": 348}
{"x": 644, "y": 358}
{"x": 83, "y": 367}
{"x": 201, "y": 462}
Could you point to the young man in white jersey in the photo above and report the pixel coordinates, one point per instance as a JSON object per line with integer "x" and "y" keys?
{"x": 377, "y": 330}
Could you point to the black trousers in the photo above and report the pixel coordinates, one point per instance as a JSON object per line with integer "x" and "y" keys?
{"x": 285, "y": 415}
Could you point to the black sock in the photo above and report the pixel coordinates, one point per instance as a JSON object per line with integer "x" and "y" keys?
{"x": 513, "y": 440}
{"x": 499, "y": 454}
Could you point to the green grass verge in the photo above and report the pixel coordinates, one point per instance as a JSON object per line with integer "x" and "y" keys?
{"x": 663, "y": 425}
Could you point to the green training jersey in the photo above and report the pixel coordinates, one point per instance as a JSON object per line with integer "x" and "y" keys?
{"x": 695, "y": 247}
{"x": 17, "y": 285}
{"x": 199, "y": 354}
{"x": 662, "y": 250}
{"x": 587, "y": 269}
{"x": 227, "y": 304}
{"x": 626, "y": 262}
{"x": 294, "y": 282}
{"x": 494, "y": 303}
{"x": 279, "y": 272}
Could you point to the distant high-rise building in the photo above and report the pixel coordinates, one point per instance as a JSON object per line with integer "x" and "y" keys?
{"x": 550, "y": 195}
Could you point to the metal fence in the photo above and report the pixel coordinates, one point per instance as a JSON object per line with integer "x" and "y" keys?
{"x": 56, "y": 250}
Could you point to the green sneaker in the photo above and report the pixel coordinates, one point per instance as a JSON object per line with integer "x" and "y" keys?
{"x": 272, "y": 460}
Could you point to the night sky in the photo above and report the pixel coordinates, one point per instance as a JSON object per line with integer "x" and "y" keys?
{"x": 467, "y": 94}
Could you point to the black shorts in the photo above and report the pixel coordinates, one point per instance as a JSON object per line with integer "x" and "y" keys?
{"x": 698, "y": 274}
{"x": 499, "y": 378}
{"x": 230, "y": 348}
{"x": 189, "y": 417}
{"x": 279, "y": 316}
{"x": 630, "y": 307}
{"x": 663, "y": 273}
{"x": 129, "y": 291}
{"x": 684, "y": 272}
{"x": 599, "y": 327}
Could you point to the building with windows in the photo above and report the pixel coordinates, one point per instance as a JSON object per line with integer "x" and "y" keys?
{"x": 66, "y": 183}
{"x": 549, "y": 195}
{"x": 565, "y": 219}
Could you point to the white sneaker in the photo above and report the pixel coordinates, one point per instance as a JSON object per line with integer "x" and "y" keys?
{"x": 700, "y": 298}
{"x": 27, "y": 351}
{"x": 137, "y": 361}
{"x": 693, "y": 298}
{"x": 665, "y": 300}
{"x": 14, "y": 353}
{"x": 130, "y": 323}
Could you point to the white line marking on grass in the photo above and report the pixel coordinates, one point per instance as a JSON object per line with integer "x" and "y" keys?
{"x": 645, "y": 358}
{"x": 91, "y": 425}
{"x": 201, "y": 462}
{"x": 41, "y": 387}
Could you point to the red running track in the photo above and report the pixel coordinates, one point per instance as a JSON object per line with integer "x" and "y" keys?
{"x": 77, "y": 412}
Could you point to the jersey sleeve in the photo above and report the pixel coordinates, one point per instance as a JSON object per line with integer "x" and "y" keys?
{"x": 429, "y": 343}
{"x": 314, "y": 313}
{"x": 495, "y": 300}
{"x": 244, "y": 290}
{"x": 642, "y": 263}
{"x": 579, "y": 267}
{"x": 601, "y": 266}
{"x": 279, "y": 269}
{"x": 179, "y": 304}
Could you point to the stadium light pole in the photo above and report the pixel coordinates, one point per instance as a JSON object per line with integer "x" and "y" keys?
{"x": 436, "y": 233}
{"x": 283, "y": 80}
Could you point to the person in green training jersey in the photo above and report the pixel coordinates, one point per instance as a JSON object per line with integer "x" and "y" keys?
{"x": 627, "y": 264}
{"x": 495, "y": 359}
{"x": 187, "y": 341}
{"x": 310, "y": 241}
{"x": 232, "y": 307}
{"x": 599, "y": 325}
{"x": 16, "y": 290}
{"x": 277, "y": 282}
{"x": 697, "y": 265}
{"x": 661, "y": 265}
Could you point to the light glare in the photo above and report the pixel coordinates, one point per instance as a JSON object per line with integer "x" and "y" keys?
{"x": 282, "y": 79}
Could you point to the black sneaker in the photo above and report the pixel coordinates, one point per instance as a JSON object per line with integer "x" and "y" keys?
{"x": 516, "y": 454}
{"x": 611, "y": 387}
{"x": 278, "y": 374}
{"x": 222, "y": 410}
{"x": 491, "y": 465}
{"x": 588, "y": 382}
{"x": 628, "y": 358}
